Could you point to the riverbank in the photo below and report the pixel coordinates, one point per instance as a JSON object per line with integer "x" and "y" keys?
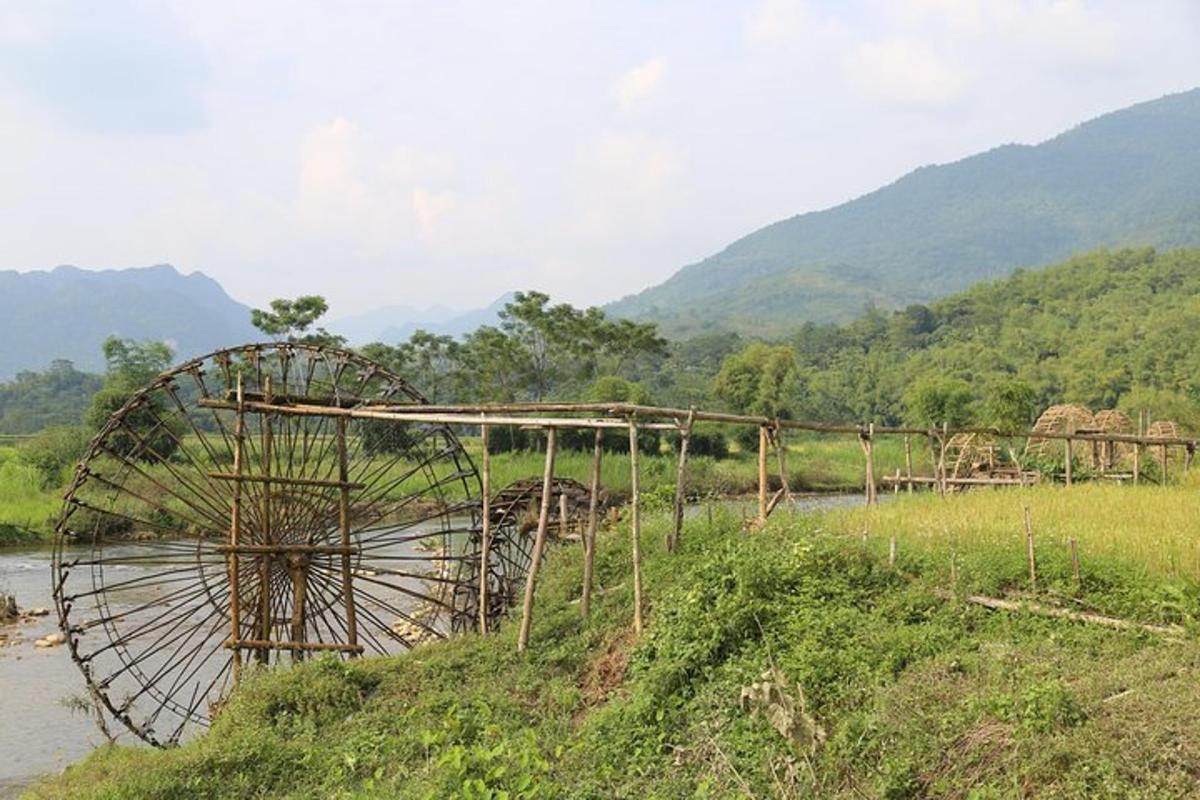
{"x": 816, "y": 463}
{"x": 792, "y": 661}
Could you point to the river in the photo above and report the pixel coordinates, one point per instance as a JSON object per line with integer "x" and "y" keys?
{"x": 39, "y": 734}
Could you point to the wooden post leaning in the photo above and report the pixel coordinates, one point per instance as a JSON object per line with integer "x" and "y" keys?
{"x": 763, "y": 437}
{"x": 485, "y": 533}
{"x": 872, "y": 497}
{"x": 344, "y": 531}
{"x": 589, "y": 538}
{"x": 680, "y": 483}
{"x": 1067, "y": 464}
{"x": 635, "y": 525}
{"x": 539, "y": 543}
{"x": 781, "y": 456}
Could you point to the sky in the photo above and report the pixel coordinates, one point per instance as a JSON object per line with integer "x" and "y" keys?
{"x": 445, "y": 153}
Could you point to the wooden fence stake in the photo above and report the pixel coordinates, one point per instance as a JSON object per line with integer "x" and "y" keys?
{"x": 1029, "y": 550}
{"x": 680, "y": 484}
{"x": 1070, "y": 458}
{"x": 539, "y": 543}
{"x": 942, "y": 459}
{"x": 908, "y": 462}
{"x": 870, "y": 444}
{"x": 1137, "y": 462}
{"x": 562, "y": 515}
{"x": 1075, "y": 562}
{"x": 485, "y": 534}
{"x": 953, "y": 568}
{"x": 762, "y": 474}
{"x": 589, "y": 538}
{"x": 892, "y": 551}
{"x": 1164, "y": 465}
{"x": 636, "y": 526}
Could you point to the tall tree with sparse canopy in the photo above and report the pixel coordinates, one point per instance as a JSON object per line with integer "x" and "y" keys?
{"x": 291, "y": 319}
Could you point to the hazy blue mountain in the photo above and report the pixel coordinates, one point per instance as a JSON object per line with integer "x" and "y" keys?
{"x": 67, "y": 312}
{"x": 393, "y": 324}
{"x": 1131, "y": 177}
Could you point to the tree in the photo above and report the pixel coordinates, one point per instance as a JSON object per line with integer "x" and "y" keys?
{"x": 934, "y": 400}
{"x": 290, "y": 319}
{"x": 1011, "y": 404}
{"x": 147, "y": 433}
{"x": 761, "y": 380}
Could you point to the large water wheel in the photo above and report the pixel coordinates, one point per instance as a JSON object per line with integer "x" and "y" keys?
{"x": 204, "y": 533}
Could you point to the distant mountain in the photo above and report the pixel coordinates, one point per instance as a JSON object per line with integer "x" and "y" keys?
{"x": 67, "y": 312}
{"x": 393, "y": 324}
{"x": 1131, "y": 177}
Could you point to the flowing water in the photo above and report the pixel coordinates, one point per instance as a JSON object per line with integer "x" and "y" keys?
{"x": 39, "y": 734}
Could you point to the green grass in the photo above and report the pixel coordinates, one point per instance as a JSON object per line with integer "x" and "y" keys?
{"x": 915, "y": 694}
{"x": 27, "y": 508}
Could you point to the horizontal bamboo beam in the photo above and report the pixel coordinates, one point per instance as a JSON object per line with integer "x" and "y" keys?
{"x": 336, "y": 549}
{"x": 284, "y": 479}
{"x": 502, "y": 414}
{"x": 259, "y": 644}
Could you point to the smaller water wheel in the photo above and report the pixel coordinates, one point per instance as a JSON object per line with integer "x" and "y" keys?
{"x": 1165, "y": 429}
{"x": 1108, "y": 455}
{"x": 971, "y": 455}
{"x": 514, "y": 516}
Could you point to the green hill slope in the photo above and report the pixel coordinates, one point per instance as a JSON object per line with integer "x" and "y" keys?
{"x": 906, "y": 692}
{"x": 1128, "y": 178}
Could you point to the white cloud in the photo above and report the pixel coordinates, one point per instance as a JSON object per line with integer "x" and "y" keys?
{"x": 639, "y": 83}
{"x": 627, "y": 183}
{"x": 429, "y": 207}
{"x": 905, "y": 72}
{"x": 775, "y": 23}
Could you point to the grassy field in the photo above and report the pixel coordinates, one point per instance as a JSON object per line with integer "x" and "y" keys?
{"x": 884, "y": 685}
{"x": 27, "y": 508}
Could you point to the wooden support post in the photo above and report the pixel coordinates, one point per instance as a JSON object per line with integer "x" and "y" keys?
{"x": 1070, "y": 457}
{"x": 1029, "y": 551}
{"x": 908, "y": 461}
{"x": 870, "y": 476}
{"x": 941, "y": 463}
{"x": 562, "y": 515}
{"x": 1164, "y": 458}
{"x": 635, "y": 528}
{"x": 1188, "y": 452}
{"x": 680, "y": 484}
{"x": 485, "y": 533}
{"x": 539, "y": 543}
{"x": 235, "y": 532}
{"x": 892, "y": 551}
{"x": 264, "y": 605}
{"x": 1137, "y": 449}
{"x": 780, "y": 456}
{"x": 762, "y": 474}
{"x": 589, "y": 538}
{"x": 344, "y": 531}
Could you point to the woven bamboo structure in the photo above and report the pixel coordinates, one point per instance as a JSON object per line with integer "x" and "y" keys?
{"x": 1108, "y": 455}
{"x": 970, "y": 455}
{"x": 1060, "y": 419}
{"x": 1166, "y": 429}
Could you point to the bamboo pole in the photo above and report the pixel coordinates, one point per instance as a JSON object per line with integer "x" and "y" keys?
{"x": 908, "y": 461}
{"x": 1070, "y": 458}
{"x": 680, "y": 485}
{"x": 485, "y": 534}
{"x": 539, "y": 543}
{"x": 344, "y": 531}
{"x": 589, "y": 539}
{"x": 1029, "y": 551}
{"x": 1075, "y": 562}
{"x": 941, "y": 463}
{"x": 892, "y": 551}
{"x": 762, "y": 474}
{"x": 1164, "y": 457}
{"x": 264, "y": 605}
{"x": 870, "y": 476}
{"x": 636, "y": 527}
{"x": 780, "y": 455}
{"x": 562, "y": 515}
{"x": 235, "y": 531}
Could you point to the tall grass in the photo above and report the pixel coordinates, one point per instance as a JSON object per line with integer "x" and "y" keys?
{"x": 26, "y": 506}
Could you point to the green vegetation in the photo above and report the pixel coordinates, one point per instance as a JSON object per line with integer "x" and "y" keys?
{"x": 27, "y": 506}
{"x": 1128, "y": 178}
{"x": 882, "y": 684}
{"x": 33, "y": 401}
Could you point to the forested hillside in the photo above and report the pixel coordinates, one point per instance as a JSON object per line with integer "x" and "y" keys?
{"x": 1104, "y": 329}
{"x": 1129, "y": 178}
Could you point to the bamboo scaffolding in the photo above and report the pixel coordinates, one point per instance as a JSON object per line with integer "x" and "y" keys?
{"x": 680, "y": 485}
{"x": 539, "y": 543}
{"x": 589, "y": 538}
{"x": 635, "y": 527}
{"x": 485, "y": 532}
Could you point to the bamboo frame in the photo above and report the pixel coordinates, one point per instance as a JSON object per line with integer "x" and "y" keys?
{"x": 485, "y": 533}
{"x": 589, "y": 538}
{"x": 539, "y": 543}
{"x": 635, "y": 527}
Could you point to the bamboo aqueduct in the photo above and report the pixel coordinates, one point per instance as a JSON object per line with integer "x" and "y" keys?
{"x": 271, "y": 501}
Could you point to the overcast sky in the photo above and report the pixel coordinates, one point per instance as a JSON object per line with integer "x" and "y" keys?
{"x": 421, "y": 153}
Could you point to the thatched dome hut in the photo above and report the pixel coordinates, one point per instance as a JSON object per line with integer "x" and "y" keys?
{"x": 1060, "y": 419}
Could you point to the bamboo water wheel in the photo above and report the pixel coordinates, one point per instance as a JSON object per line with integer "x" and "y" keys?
{"x": 971, "y": 455}
{"x": 1165, "y": 429}
{"x": 1108, "y": 455}
{"x": 514, "y": 512}
{"x": 199, "y": 537}
{"x": 1067, "y": 418}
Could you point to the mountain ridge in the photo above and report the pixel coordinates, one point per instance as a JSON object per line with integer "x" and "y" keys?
{"x": 1127, "y": 178}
